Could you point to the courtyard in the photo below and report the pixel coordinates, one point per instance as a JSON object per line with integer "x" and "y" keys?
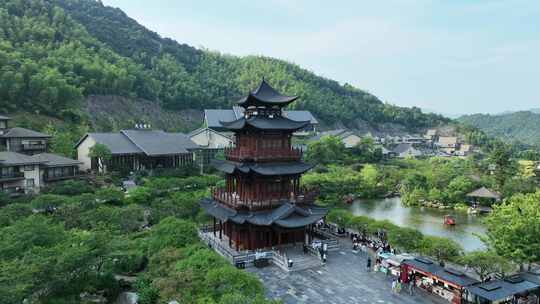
{"x": 343, "y": 279}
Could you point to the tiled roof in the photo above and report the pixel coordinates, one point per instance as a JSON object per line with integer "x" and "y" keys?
{"x": 266, "y": 123}
{"x": 285, "y": 168}
{"x": 149, "y": 142}
{"x": 501, "y": 289}
{"x": 340, "y": 133}
{"x": 53, "y": 160}
{"x": 214, "y": 117}
{"x": 287, "y": 215}
{"x": 484, "y": 193}
{"x": 445, "y": 274}
{"x": 157, "y": 142}
{"x": 116, "y": 142}
{"x": 24, "y": 133}
{"x": 17, "y": 159}
{"x": 264, "y": 94}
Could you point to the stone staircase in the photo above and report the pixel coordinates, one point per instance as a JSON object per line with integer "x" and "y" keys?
{"x": 333, "y": 245}
{"x": 300, "y": 262}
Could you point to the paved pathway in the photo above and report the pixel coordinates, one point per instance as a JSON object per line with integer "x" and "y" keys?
{"x": 343, "y": 279}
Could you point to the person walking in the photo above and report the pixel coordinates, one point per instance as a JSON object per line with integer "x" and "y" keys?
{"x": 398, "y": 286}
{"x": 368, "y": 265}
{"x": 394, "y": 286}
{"x": 411, "y": 287}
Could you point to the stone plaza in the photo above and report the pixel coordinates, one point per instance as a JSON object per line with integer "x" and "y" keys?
{"x": 344, "y": 279}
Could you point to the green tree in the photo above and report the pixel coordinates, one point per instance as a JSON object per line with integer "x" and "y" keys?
{"x": 12, "y": 213}
{"x": 501, "y": 157}
{"x": 340, "y": 217}
{"x": 4, "y": 198}
{"x": 49, "y": 202}
{"x": 70, "y": 187}
{"x": 140, "y": 195}
{"x": 513, "y": 228}
{"x": 329, "y": 149}
{"x": 370, "y": 180}
{"x": 366, "y": 151}
{"x": 101, "y": 153}
{"x": 227, "y": 280}
{"x": 110, "y": 195}
{"x": 442, "y": 249}
{"x": 407, "y": 239}
{"x": 172, "y": 232}
{"x": 485, "y": 263}
{"x": 41, "y": 260}
{"x": 458, "y": 188}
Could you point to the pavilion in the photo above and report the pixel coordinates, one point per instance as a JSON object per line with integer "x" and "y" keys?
{"x": 484, "y": 194}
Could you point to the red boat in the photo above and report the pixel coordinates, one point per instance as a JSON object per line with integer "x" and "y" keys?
{"x": 449, "y": 220}
{"x": 348, "y": 199}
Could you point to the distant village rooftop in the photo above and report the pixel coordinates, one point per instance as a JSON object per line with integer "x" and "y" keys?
{"x": 148, "y": 142}
{"x": 53, "y": 160}
{"x": 8, "y": 158}
{"x": 24, "y": 133}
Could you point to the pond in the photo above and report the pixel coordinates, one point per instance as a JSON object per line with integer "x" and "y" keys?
{"x": 427, "y": 220}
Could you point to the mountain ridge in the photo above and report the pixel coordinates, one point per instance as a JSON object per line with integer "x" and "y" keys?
{"x": 85, "y": 48}
{"x": 521, "y": 126}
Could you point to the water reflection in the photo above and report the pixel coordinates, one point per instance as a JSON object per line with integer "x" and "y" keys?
{"x": 428, "y": 220}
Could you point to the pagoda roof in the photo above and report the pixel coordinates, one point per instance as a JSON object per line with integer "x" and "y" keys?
{"x": 266, "y": 123}
{"x": 484, "y": 192}
{"x": 287, "y": 215}
{"x": 265, "y": 95}
{"x": 279, "y": 168}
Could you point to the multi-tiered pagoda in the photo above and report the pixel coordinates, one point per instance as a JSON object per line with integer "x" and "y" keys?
{"x": 262, "y": 204}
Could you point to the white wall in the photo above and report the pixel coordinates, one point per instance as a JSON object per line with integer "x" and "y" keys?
{"x": 82, "y": 153}
{"x": 33, "y": 174}
{"x": 211, "y": 139}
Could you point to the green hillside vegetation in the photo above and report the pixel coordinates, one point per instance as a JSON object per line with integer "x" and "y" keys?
{"x": 55, "y": 53}
{"x": 519, "y": 126}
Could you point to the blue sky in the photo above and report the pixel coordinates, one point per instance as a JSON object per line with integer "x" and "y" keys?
{"x": 452, "y": 56}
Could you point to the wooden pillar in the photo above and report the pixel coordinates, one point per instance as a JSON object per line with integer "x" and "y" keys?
{"x": 230, "y": 232}
{"x": 250, "y": 237}
{"x": 220, "y": 230}
{"x": 236, "y": 237}
{"x": 269, "y": 238}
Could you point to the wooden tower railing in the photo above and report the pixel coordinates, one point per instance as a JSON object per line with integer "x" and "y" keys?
{"x": 262, "y": 155}
{"x": 232, "y": 199}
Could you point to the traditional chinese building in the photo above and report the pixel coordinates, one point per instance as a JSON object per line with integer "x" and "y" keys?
{"x": 262, "y": 204}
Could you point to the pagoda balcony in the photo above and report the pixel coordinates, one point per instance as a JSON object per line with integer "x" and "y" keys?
{"x": 233, "y": 200}
{"x": 262, "y": 155}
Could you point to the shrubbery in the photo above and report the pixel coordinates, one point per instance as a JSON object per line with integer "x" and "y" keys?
{"x": 87, "y": 237}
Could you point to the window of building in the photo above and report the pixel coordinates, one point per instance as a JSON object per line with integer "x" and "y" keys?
{"x": 6, "y": 171}
{"x": 30, "y": 183}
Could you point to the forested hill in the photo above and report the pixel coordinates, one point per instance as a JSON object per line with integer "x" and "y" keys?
{"x": 518, "y": 126}
{"x": 55, "y": 53}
